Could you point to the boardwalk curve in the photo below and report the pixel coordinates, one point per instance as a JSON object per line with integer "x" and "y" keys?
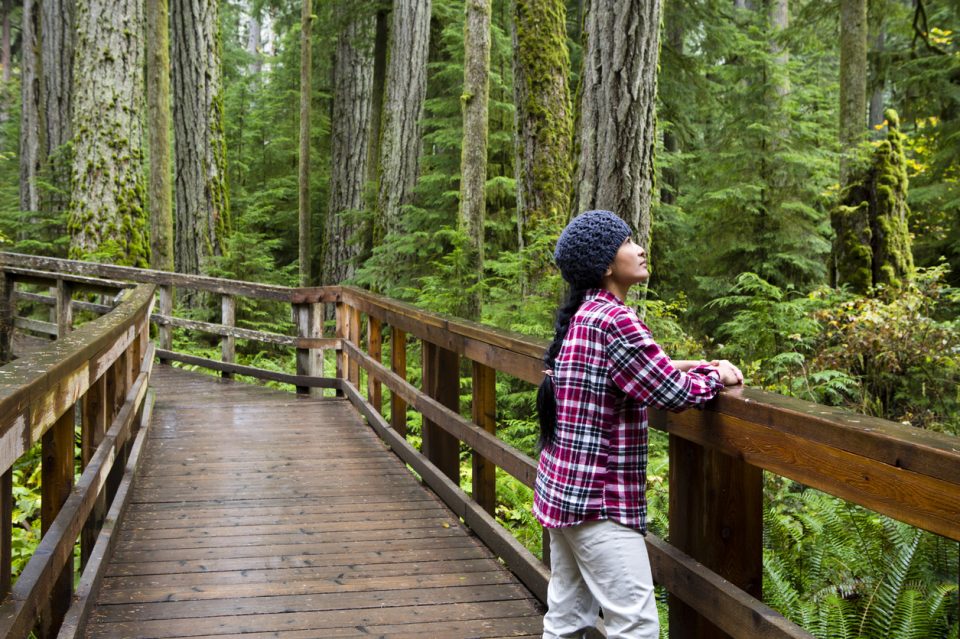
{"x": 262, "y": 514}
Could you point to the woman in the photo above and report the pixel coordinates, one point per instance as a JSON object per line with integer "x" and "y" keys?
{"x": 604, "y": 369}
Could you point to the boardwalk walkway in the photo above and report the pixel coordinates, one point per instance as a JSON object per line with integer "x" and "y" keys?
{"x": 260, "y": 514}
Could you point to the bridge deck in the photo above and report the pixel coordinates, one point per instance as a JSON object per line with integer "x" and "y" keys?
{"x": 261, "y": 514}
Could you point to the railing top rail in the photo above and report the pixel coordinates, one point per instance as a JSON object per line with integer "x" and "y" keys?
{"x": 34, "y": 389}
{"x": 140, "y": 275}
{"x": 740, "y": 411}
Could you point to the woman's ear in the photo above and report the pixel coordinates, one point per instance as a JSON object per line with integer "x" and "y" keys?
{"x": 609, "y": 271}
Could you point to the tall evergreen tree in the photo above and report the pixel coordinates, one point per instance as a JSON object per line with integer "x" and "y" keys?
{"x": 56, "y": 100}
{"x": 31, "y": 154}
{"x": 350, "y": 137}
{"x": 406, "y": 87}
{"x": 200, "y": 187}
{"x": 158, "y": 116}
{"x": 106, "y": 216}
{"x": 544, "y": 130}
{"x": 473, "y": 163}
{"x": 304, "y": 155}
{"x": 617, "y": 93}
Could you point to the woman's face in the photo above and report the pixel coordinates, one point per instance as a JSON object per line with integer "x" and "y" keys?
{"x": 629, "y": 266}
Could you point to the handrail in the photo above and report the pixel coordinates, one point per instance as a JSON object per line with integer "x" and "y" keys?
{"x": 99, "y": 373}
{"x": 906, "y": 473}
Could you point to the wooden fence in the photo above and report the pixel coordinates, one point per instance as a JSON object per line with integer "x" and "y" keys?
{"x": 712, "y": 565}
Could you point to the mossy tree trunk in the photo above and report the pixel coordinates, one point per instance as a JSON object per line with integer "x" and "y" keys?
{"x": 106, "y": 217}
{"x": 406, "y": 88}
{"x": 57, "y": 34}
{"x": 200, "y": 183}
{"x": 350, "y": 137}
{"x": 874, "y": 247}
{"x": 473, "y": 157}
{"x": 853, "y": 82}
{"x": 158, "y": 116}
{"x": 30, "y": 127}
{"x": 544, "y": 138}
{"x": 303, "y": 178}
{"x": 618, "y": 89}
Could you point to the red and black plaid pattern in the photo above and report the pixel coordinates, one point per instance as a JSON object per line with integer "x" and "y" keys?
{"x": 608, "y": 371}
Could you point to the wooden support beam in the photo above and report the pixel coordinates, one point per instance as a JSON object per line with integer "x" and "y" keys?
{"x": 441, "y": 381}
{"x": 165, "y": 332}
{"x": 353, "y": 332}
{"x": 716, "y": 517}
{"x": 55, "y": 483}
{"x": 64, "y": 308}
{"x": 7, "y": 313}
{"x": 375, "y": 350}
{"x": 485, "y": 416}
{"x": 6, "y": 531}
{"x": 228, "y": 343}
{"x": 93, "y": 426}
{"x": 303, "y": 316}
{"x": 398, "y": 364}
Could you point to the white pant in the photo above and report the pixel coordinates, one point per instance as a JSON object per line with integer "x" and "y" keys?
{"x": 600, "y": 564}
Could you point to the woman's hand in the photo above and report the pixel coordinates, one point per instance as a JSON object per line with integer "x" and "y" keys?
{"x": 730, "y": 375}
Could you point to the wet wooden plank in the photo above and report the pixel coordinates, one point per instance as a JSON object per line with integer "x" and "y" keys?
{"x": 260, "y": 512}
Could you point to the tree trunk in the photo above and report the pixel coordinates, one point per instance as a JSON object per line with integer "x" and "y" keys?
{"x": 544, "y": 130}
{"x": 30, "y": 125}
{"x": 253, "y": 47}
{"x": 853, "y": 81}
{"x": 878, "y": 77}
{"x": 200, "y": 185}
{"x": 5, "y": 57}
{"x": 56, "y": 99}
{"x": 304, "y": 176}
{"x": 852, "y": 249}
{"x": 353, "y": 84}
{"x": 779, "y": 17}
{"x": 618, "y": 93}
{"x": 158, "y": 115}
{"x": 473, "y": 158}
{"x": 670, "y": 177}
{"x": 406, "y": 88}
{"x": 106, "y": 221}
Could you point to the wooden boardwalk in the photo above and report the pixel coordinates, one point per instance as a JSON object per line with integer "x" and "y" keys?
{"x": 257, "y": 513}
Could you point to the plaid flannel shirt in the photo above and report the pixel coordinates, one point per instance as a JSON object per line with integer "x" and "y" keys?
{"x": 608, "y": 371}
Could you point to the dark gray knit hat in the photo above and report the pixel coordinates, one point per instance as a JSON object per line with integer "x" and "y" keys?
{"x": 588, "y": 245}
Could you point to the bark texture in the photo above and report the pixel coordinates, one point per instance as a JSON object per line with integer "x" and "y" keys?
{"x": 106, "y": 217}
{"x": 473, "y": 158}
{"x": 352, "y": 103}
{"x": 873, "y": 244}
{"x": 618, "y": 93}
{"x": 853, "y": 81}
{"x": 57, "y": 51}
{"x": 158, "y": 115}
{"x": 406, "y": 88}
{"x": 779, "y": 18}
{"x": 30, "y": 126}
{"x": 5, "y": 10}
{"x": 544, "y": 129}
{"x": 304, "y": 175}
{"x": 200, "y": 183}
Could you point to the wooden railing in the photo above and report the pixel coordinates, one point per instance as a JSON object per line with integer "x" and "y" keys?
{"x": 95, "y": 376}
{"x": 712, "y": 565}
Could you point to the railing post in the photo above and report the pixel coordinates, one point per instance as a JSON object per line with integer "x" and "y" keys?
{"x": 56, "y": 480}
{"x": 6, "y": 531}
{"x": 165, "y": 332}
{"x": 228, "y": 343}
{"x": 485, "y": 416}
{"x": 7, "y": 313}
{"x": 441, "y": 381}
{"x": 93, "y": 426}
{"x": 398, "y": 363}
{"x": 716, "y": 517}
{"x": 303, "y": 316}
{"x": 353, "y": 328}
{"x": 341, "y": 310}
{"x": 64, "y": 308}
{"x": 374, "y": 348}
